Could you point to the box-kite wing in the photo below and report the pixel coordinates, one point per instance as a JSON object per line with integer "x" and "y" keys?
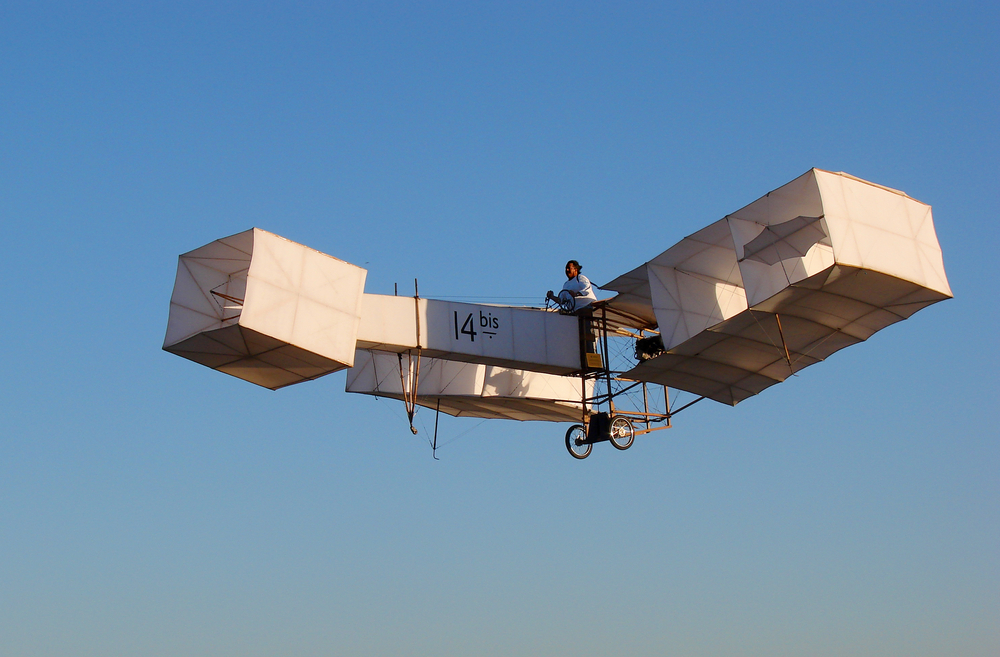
{"x": 468, "y": 389}
{"x": 812, "y": 267}
{"x": 265, "y": 309}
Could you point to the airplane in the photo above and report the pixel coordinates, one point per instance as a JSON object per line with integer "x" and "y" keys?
{"x": 818, "y": 264}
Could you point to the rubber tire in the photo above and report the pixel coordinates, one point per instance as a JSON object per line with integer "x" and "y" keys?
{"x": 577, "y": 431}
{"x": 622, "y": 433}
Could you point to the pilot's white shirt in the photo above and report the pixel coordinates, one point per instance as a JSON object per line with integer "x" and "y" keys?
{"x": 581, "y": 288}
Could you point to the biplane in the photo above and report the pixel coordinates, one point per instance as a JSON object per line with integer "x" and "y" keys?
{"x": 814, "y": 266}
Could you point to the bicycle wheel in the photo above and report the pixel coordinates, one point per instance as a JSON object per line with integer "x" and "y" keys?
{"x": 622, "y": 433}
{"x": 576, "y": 433}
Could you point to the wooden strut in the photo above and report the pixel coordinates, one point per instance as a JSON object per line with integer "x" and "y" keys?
{"x": 683, "y": 407}
{"x": 228, "y": 297}
{"x": 788, "y": 359}
{"x": 409, "y": 384}
{"x": 645, "y": 404}
{"x": 607, "y": 359}
{"x": 666, "y": 404}
{"x": 410, "y": 399}
{"x": 434, "y": 445}
{"x": 411, "y": 381}
{"x": 375, "y": 372}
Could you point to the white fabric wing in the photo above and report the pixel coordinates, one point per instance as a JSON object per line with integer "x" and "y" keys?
{"x": 469, "y": 389}
{"x": 265, "y": 309}
{"x": 817, "y": 265}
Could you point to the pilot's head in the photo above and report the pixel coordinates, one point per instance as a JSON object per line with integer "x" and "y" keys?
{"x": 572, "y": 269}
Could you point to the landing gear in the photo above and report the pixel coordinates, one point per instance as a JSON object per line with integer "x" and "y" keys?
{"x": 580, "y": 439}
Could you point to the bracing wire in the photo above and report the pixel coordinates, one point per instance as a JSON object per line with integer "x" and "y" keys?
{"x": 470, "y": 296}
{"x": 467, "y": 431}
{"x": 521, "y": 302}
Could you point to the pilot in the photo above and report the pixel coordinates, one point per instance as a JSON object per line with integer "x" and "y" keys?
{"x": 576, "y": 287}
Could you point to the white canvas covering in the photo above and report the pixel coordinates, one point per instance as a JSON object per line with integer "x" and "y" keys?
{"x": 519, "y": 338}
{"x": 814, "y": 266}
{"x": 469, "y": 389}
{"x": 274, "y": 312}
{"x": 265, "y": 309}
{"x": 689, "y": 287}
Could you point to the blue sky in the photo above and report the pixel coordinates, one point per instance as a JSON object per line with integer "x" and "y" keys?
{"x": 151, "y": 506}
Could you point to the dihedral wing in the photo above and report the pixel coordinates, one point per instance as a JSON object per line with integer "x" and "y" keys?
{"x": 814, "y": 266}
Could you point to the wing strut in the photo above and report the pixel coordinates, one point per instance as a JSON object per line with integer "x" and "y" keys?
{"x": 412, "y": 374}
{"x": 788, "y": 359}
{"x": 434, "y": 445}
